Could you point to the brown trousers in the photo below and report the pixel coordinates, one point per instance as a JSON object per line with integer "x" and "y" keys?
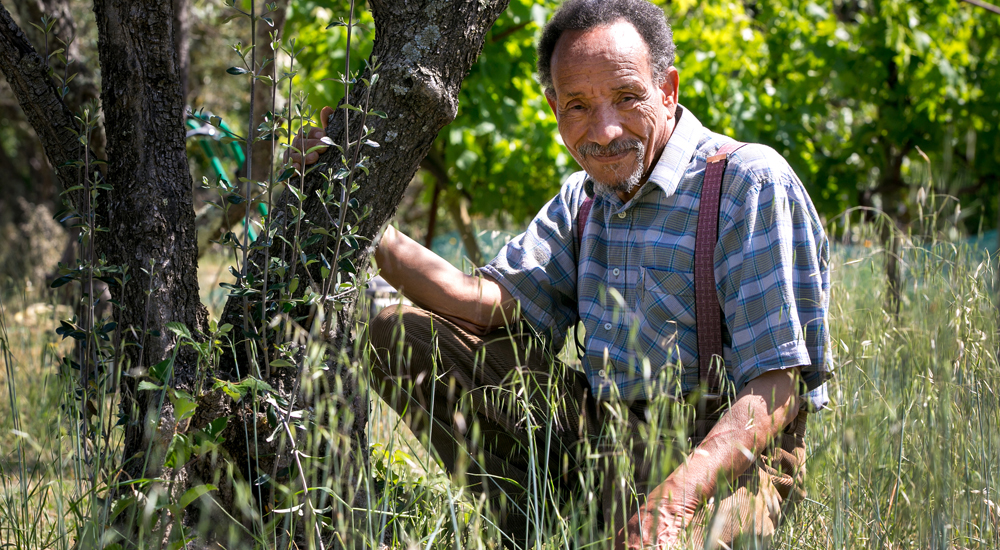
{"x": 524, "y": 429}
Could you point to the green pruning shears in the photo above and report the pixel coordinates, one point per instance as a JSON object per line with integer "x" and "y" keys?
{"x": 210, "y": 140}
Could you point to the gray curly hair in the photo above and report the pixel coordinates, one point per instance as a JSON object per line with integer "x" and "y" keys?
{"x": 648, "y": 19}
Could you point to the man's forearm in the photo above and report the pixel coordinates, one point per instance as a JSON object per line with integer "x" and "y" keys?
{"x": 432, "y": 282}
{"x": 760, "y": 412}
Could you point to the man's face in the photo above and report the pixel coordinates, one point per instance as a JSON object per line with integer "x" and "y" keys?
{"x": 613, "y": 117}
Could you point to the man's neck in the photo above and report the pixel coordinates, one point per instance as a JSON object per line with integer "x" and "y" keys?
{"x": 631, "y": 193}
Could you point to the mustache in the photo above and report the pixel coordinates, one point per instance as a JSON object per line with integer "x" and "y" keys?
{"x": 616, "y": 147}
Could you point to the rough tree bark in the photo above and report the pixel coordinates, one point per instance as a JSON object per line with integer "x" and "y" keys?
{"x": 148, "y": 213}
{"x": 182, "y": 42}
{"x": 151, "y": 215}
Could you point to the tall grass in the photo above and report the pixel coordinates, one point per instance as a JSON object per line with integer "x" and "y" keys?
{"x": 906, "y": 455}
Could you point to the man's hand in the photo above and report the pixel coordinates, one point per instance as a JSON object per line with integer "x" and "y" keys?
{"x": 762, "y": 409}
{"x": 660, "y": 522}
{"x": 310, "y": 138}
{"x": 474, "y": 303}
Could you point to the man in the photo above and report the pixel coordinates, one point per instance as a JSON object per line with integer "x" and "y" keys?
{"x": 607, "y": 69}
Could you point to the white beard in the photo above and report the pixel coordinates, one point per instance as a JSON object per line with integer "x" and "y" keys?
{"x": 619, "y": 180}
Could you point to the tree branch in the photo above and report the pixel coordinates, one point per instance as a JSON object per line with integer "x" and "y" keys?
{"x": 27, "y": 74}
{"x": 985, "y": 6}
{"x": 425, "y": 49}
{"x": 502, "y": 35}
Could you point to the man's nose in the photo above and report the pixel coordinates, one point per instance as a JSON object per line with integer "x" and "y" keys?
{"x": 605, "y": 125}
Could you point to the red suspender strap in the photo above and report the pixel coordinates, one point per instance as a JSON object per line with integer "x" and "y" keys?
{"x": 581, "y": 219}
{"x": 708, "y": 312}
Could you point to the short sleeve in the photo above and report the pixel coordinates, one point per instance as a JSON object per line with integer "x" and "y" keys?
{"x": 775, "y": 275}
{"x": 539, "y": 267}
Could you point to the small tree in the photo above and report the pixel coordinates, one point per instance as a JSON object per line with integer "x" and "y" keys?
{"x": 144, "y": 225}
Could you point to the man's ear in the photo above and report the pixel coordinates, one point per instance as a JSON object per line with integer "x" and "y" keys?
{"x": 550, "y": 97}
{"x": 670, "y": 89}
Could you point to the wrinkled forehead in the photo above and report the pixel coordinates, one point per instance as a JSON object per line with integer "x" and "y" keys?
{"x": 602, "y": 52}
{"x": 620, "y": 37}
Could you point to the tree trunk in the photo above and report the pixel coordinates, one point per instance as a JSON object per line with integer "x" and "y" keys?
{"x": 459, "y": 211}
{"x": 432, "y": 215}
{"x": 151, "y": 215}
{"x": 424, "y": 49}
{"x": 891, "y": 186}
{"x": 182, "y": 42}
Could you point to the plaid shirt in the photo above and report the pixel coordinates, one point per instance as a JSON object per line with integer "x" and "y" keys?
{"x": 630, "y": 278}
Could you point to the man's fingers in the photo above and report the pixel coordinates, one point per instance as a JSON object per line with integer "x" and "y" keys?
{"x": 310, "y": 138}
{"x": 324, "y": 116}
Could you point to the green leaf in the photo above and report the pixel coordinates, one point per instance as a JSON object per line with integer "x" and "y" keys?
{"x": 179, "y": 329}
{"x": 184, "y": 405}
{"x": 236, "y": 70}
{"x": 272, "y": 416}
{"x": 347, "y": 265}
{"x": 239, "y": 390}
{"x": 215, "y": 427}
{"x": 60, "y": 281}
{"x": 159, "y": 370}
{"x": 146, "y": 385}
{"x": 120, "y": 506}
{"x": 179, "y": 451}
{"x": 281, "y": 363}
{"x": 228, "y": 389}
{"x": 194, "y": 493}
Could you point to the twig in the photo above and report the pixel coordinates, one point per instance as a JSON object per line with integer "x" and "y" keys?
{"x": 985, "y": 6}
{"x": 244, "y": 273}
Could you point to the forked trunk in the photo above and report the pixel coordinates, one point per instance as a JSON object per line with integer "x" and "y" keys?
{"x": 424, "y": 49}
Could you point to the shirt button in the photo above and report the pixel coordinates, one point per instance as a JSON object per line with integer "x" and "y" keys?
{"x": 622, "y": 215}
{"x": 602, "y": 374}
{"x": 616, "y": 271}
{"x": 607, "y": 326}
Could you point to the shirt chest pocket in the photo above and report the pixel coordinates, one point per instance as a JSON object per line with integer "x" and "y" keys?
{"x": 667, "y": 299}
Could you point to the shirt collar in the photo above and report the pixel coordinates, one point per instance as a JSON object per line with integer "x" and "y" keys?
{"x": 674, "y": 161}
{"x": 676, "y": 157}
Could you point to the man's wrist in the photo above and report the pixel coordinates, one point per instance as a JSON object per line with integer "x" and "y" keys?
{"x": 676, "y": 495}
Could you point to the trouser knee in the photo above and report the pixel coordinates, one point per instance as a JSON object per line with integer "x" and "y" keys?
{"x": 402, "y": 337}
{"x": 387, "y": 333}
